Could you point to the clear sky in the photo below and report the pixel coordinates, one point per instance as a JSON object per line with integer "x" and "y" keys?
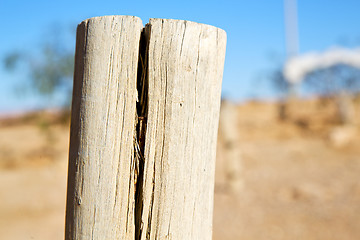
{"x": 255, "y": 30}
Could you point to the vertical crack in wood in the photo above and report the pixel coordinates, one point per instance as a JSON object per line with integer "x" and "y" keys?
{"x": 140, "y": 128}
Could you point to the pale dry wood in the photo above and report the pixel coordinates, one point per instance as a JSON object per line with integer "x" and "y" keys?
{"x": 100, "y": 200}
{"x": 185, "y": 67}
{"x": 173, "y": 198}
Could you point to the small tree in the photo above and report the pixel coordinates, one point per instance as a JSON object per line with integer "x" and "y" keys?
{"x": 50, "y": 68}
{"x": 340, "y": 82}
{"x": 333, "y": 80}
{"x": 283, "y": 89}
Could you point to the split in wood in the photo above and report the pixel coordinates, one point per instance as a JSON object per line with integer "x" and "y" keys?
{"x": 140, "y": 128}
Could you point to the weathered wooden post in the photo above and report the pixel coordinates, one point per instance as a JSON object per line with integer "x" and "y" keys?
{"x": 143, "y": 131}
{"x": 230, "y": 133}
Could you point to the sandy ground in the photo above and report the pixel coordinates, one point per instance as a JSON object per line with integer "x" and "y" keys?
{"x": 293, "y": 179}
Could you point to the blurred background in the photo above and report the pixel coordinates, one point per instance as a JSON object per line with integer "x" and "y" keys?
{"x": 288, "y": 145}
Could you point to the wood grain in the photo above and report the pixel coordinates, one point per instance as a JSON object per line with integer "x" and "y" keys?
{"x": 101, "y": 181}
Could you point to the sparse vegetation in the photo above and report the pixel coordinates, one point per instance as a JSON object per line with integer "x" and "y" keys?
{"x": 339, "y": 83}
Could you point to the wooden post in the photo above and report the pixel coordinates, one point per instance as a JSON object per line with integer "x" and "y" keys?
{"x": 143, "y": 167}
{"x": 230, "y": 133}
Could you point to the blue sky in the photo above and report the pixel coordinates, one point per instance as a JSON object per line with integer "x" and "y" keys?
{"x": 255, "y": 30}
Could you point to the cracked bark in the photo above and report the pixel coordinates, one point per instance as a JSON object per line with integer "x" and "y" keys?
{"x": 143, "y": 133}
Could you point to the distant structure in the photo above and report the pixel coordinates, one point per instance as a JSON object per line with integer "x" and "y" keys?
{"x": 296, "y": 68}
{"x": 291, "y": 28}
{"x": 291, "y": 36}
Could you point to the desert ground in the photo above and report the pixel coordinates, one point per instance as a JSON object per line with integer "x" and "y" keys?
{"x": 294, "y": 178}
